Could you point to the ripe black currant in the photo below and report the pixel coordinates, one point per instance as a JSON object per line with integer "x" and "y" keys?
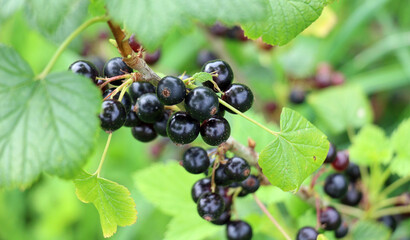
{"x": 195, "y": 160}
{"x": 223, "y": 219}
{"x": 148, "y": 108}
{"x": 215, "y": 130}
{"x": 200, "y": 187}
{"x": 113, "y": 115}
{"x": 330, "y": 218}
{"x": 171, "y": 90}
{"x": 353, "y": 172}
{"x": 115, "y": 67}
{"x": 224, "y": 71}
{"x": 238, "y": 230}
{"x": 126, "y": 99}
{"x": 342, "y": 230}
{"x": 237, "y": 169}
{"x": 238, "y": 96}
{"x": 205, "y": 56}
{"x": 85, "y": 68}
{"x": 137, "y": 89}
{"x": 250, "y": 185}
{"x": 152, "y": 58}
{"x": 336, "y": 185}
{"x": 144, "y": 132}
{"x": 132, "y": 119}
{"x": 160, "y": 126}
{"x": 389, "y": 222}
{"x": 297, "y": 96}
{"x": 331, "y": 154}
{"x": 307, "y": 233}
{"x": 201, "y": 103}
{"x": 210, "y": 206}
{"x": 221, "y": 178}
{"x": 352, "y": 196}
{"x": 341, "y": 161}
{"x": 224, "y": 192}
{"x": 182, "y": 128}
{"x": 134, "y": 44}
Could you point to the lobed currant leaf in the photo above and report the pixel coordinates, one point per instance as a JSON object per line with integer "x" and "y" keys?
{"x": 370, "y": 230}
{"x": 401, "y": 146}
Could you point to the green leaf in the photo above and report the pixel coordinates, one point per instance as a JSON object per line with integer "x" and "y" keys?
{"x": 340, "y": 108}
{"x": 295, "y": 153}
{"x": 97, "y": 7}
{"x": 8, "y": 8}
{"x": 321, "y": 237}
{"x": 153, "y": 20}
{"x": 370, "y": 146}
{"x": 370, "y": 230}
{"x": 45, "y": 125}
{"x": 113, "y": 201}
{"x": 202, "y": 77}
{"x": 401, "y": 146}
{"x": 285, "y": 20}
{"x": 56, "y": 19}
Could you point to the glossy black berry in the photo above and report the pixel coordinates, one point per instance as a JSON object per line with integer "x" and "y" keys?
{"x": 341, "y": 161}
{"x": 132, "y": 119}
{"x": 352, "y": 196}
{"x": 331, "y": 154}
{"x": 307, "y": 233}
{"x": 210, "y": 206}
{"x": 126, "y": 99}
{"x": 85, "y": 68}
{"x": 195, "y": 160}
{"x": 297, "y": 96}
{"x": 137, "y": 89}
{"x": 224, "y": 71}
{"x": 112, "y": 115}
{"x": 171, "y": 90}
{"x": 223, "y": 218}
{"x": 336, "y": 185}
{"x": 205, "y": 56}
{"x": 152, "y": 58}
{"x": 160, "y": 126}
{"x": 201, "y": 103}
{"x": 182, "y": 128}
{"x": 221, "y": 178}
{"x": 134, "y": 44}
{"x": 389, "y": 222}
{"x": 238, "y": 230}
{"x": 330, "y": 218}
{"x": 218, "y": 29}
{"x": 148, "y": 108}
{"x": 342, "y": 230}
{"x": 200, "y": 187}
{"x": 144, "y": 132}
{"x": 215, "y": 130}
{"x": 115, "y": 67}
{"x": 353, "y": 172}
{"x": 237, "y": 169}
{"x": 250, "y": 184}
{"x": 224, "y": 193}
{"x": 238, "y": 96}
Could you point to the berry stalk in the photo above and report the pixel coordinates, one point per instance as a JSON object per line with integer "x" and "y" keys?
{"x": 107, "y": 145}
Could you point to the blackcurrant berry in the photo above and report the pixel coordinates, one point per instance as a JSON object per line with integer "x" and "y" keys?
{"x": 195, "y": 160}
{"x": 132, "y": 119}
{"x": 215, "y": 130}
{"x": 112, "y": 115}
{"x": 223, "y": 218}
{"x": 330, "y": 218}
{"x": 182, "y": 128}
{"x": 342, "y": 230}
{"x": 297, "y": 96}
{"x": 336, "y": 185}
{"x": 237, "y": 169}
{"x": 238, "y": 230}
{"x": 126, "y": 99}
{"x": 137, "y": 89}
{"x": 352, "y": 196}
{"x": 224, "y": 71}
{"x": 115, "y": 67}
{"x": 353, "y": 172}
{"x": 221, "y": 178}
{"x": 201, "y": 103}
{"x": 171, "y": 90}
{"x": 210, "y": 206}
{"x": 307, "y": 233}
{"x": 200, "y": 187}
{"x": 238, "y": 96}
{"x": 218, "y": 29}
{"x": 341, "y": 161}
{"x": 134, "y": 44}
{"x": 205, "y": 56}
{"x": 331, "y": 154}
{"x": 224, "y": 192}
{"x": 152, "y": 58}
{"x": 144, "y": 132}
{"x": 389, "y": 222}
{"x": 160, "y": 126}
{"x": 251, "y": 184}
{"x": 148, "y": 108}
{"x": 85, "y": 68}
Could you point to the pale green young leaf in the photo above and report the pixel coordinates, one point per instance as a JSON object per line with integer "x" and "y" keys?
{"x": 45, "y": 125}
{"x": 370, "y": 146}
{"x": 285, "y": 19}
{"x": 201, "y": 77}
{"x": 340, "y": 108}
{"x": 401, "y": 146}
{"x": 113, "y": 201}
{"x": 321, "y": 237}
{"x": 296, "y": 152}
{"x": 370, "y": 230}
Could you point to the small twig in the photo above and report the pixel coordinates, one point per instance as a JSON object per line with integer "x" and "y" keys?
{"x": 108, "y": 80}
{"x": 317, "y": 175}
{"x": 391, "y": 211}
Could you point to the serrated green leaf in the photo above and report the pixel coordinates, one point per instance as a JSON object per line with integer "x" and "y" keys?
{"x": 97, "y": 7}
{"x": 45, "y": 125}
{"x": 370, "y": 146}
{"x": 8, "y": 8}
{"x": 113, "y": 201}
{"x": 201, "y": 77}
{"x": 340, "y": 108}
{"x": 153, "y": 20}
{"x": 401, "y": 146}
{"x": 370, "y": 230}
{"x": 56, "y": 19}
{"x": 168, "y": 186}
{"x": 295, "y": 153}
{"x": 285, "y": 19}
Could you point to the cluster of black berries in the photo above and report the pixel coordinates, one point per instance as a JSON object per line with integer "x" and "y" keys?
{"x": 232, "y": 175}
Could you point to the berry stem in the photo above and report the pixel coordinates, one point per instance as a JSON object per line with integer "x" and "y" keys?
{"x": 317, "y": 175}
{"x": 247, "y": 153}
{"x": 317, "y": 205}
{"x": 108, "y": 80}
{"x": 123, "y": 85}
{"x": 390, "y": 201}
{"x": 394, "y": 186}
{"x": 107, "y": 145}
{"x": 271, "y": 218}
{"x": 391, "y": 211}
{"x": 66, "y": 42}
{"x": 214, "y": 167}
{"x": 247, "y": 118}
